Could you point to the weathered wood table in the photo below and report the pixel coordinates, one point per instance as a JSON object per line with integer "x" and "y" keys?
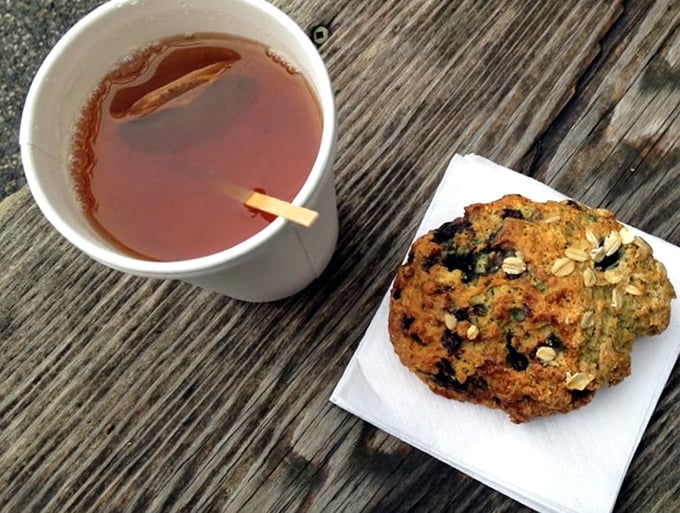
{"x": 124, "y": 394}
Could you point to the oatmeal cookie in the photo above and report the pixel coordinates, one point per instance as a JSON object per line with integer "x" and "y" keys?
{"x": 527, "y": 307}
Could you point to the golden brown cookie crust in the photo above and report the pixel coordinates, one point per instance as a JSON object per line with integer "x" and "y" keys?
{"x": 527, "y": 307}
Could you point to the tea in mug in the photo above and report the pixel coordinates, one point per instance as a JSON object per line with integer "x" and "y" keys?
{"x": 171, "y": 123}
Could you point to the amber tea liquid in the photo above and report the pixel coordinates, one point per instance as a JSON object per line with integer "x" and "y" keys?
{"x": 147, "y": 184}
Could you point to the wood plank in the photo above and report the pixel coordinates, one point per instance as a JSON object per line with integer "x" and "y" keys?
{"x": 124, "y": 394}
{"x": 616, "y": 145}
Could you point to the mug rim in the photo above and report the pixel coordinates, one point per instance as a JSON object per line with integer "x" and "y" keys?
{"x": 228, "y": 257}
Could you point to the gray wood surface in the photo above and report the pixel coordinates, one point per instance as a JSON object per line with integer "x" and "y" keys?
{"x": 125, "y": 394}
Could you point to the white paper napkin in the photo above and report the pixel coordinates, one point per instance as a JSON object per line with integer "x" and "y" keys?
{"x": 572, "y": 462}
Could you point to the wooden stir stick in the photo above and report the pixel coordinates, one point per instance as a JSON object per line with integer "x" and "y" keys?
{"x": 300, "y": 215}
{"x": 181, "y": 92}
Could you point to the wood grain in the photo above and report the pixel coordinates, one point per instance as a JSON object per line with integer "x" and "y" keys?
{"x": 617, "y": 144}
{"x": 125, "y": 394}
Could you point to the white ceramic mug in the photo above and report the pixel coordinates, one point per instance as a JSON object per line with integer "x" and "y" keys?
{"x": 278, "y": 261}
